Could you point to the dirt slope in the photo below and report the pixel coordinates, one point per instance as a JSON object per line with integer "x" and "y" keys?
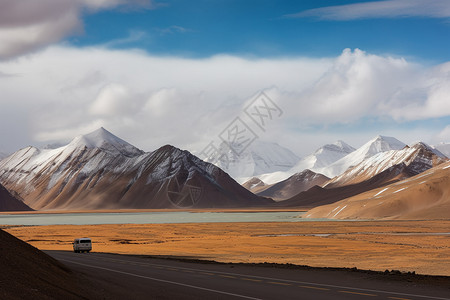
{"x": 423, "y": 197}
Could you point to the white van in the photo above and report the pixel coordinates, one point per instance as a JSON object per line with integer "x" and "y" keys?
{"x": 82, "y": 245}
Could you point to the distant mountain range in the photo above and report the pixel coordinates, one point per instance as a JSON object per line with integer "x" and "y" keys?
{"x": 371, "y": 166}
{"x": 316, "y": 162}
{"x": 257, "y": 159}
{"x": 382, "y": 173}
{"x": 102, "y": 171}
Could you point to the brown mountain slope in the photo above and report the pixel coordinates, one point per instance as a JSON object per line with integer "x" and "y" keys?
{"x": 295, "y": 184}
{"x": 424, "y": 196}
{"x": 317, "y": 196}
{"x": 255, "y": 185}
{"x": 10, "y": 203}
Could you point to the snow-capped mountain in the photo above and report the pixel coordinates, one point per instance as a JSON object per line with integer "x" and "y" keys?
{"x": 259, "y": 158}
{"x": 372, "y": 147}
{"x": 295, "y": 184}
{"x": 10, "y": 203}
{"x": 105, "y": 141}
{"x": 316, "y": 162}
{"x": 418, "y": 158}
{"x": 100, "y": 170}
{"x": 324, "y": 156}
{"x": 444, "y": 148}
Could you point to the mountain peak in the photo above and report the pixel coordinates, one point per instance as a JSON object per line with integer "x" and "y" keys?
{"x": 381, "y": 144}
{"x": 106, "y": 141}
{"x": 337, "y": 147}
{"x": 426, "y": 147}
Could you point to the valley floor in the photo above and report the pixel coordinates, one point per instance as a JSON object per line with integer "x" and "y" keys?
{"x": 420, "y": 246}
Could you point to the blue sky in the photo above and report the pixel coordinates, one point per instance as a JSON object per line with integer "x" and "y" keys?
{"x": 264, "y": 29}
{"x": 179, "y": 71}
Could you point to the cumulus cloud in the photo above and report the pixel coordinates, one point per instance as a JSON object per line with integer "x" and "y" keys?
{"x": 151, "y": 100}
{"x": 355, "y": 85}
{"x": 28, "y": 25}
{"x": 112, "y": 100}
{"x": 380, "y": 9}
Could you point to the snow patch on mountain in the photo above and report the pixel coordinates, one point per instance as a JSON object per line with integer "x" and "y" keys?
{"x": 369, "y": 149}
{"x": 316, "y": 162}
{"x": 324, "y": 156}
{"x": 23, "y": 165}
{"x": 106, "y": 141}
{"x": 259, "y": 158}
{"x": 418, "y": 158}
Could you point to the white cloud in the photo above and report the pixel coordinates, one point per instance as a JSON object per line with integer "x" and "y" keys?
{"x": 28, "y": 25}
{"x": 151, "y": 100}
{"x": 173, "y": 29}
{"x": 427, "y": 96}
{"x": 157, "y": 103}
{"x": 380, "y": 9}
{"x": 112, "y": 100}
{"x": 355, "y": 85}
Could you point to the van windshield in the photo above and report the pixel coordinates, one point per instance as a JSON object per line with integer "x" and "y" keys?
{"x": 85, "y": 241}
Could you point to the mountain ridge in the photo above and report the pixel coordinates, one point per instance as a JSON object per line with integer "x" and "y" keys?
{"x": 375, "y": 145}
{"x": 293, "y": 185}
{"x": 418, "y": 157}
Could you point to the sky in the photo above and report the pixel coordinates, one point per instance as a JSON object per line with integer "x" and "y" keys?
{"x": 187, "y": 72}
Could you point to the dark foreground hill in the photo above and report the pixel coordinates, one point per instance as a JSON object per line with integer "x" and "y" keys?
{"x": 28, "y": 273}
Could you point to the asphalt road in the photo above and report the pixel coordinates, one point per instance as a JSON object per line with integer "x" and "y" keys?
{"x": 140, "y": 277}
